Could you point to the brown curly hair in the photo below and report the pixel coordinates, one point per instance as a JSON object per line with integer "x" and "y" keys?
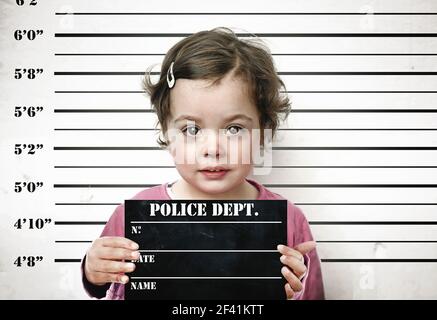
{"x": 210, "y": 55}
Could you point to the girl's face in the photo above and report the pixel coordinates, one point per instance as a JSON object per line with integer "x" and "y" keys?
{"x": 211, "y": 129}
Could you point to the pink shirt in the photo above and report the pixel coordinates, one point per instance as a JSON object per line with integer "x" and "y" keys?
{"x": 298, "y": 231}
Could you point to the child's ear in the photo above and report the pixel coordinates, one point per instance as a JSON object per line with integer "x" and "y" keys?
{"x": 162, "y": 141}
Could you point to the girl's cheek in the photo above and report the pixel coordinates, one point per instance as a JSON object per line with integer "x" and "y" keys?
{"x": 185, "y": 151}
{"x": 239, "y": 152}
{"x": 246, "y": 146}
{"x": 176, "y": 148}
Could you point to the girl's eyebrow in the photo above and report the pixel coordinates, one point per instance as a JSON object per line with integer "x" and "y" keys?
{"x": 187, "y": 117}
{"x": 196, "y": 119}
{"x": 239, "y": 116}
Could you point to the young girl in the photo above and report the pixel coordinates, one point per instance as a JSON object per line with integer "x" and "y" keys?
{"x": 213, "y": 87}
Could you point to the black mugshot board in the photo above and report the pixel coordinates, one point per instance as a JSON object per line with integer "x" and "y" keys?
{"x": 198, "y": 249}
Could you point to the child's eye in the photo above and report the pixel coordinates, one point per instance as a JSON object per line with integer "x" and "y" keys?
{"x": 190, "y": 130}
{"x": 233, "y": 130}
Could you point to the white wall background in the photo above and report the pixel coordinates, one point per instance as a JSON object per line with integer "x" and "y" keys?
{"x": 360, "y": 148}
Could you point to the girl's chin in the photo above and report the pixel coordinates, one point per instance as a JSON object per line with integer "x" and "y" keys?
{"x": 213, "y": 186}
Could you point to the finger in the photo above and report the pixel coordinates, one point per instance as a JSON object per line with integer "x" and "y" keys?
{"x": 101, "y": 278}
{"x": 289, "y": 292}
{"x": 113, "y": 266}
{"x": 294, "y": 282}
{"x": 306, "y": 247}
{"x": 119, "y": 278}
{"x": 287, "y": 251}
{"x": 297, "y": 266}
{"x": 111, "y": 253}
{"x": 119, "y": 242}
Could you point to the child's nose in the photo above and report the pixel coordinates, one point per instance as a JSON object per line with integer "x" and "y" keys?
{"x": 213, "y": 144}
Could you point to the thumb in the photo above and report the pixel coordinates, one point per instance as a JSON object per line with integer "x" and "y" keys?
{"x": 305, "y": 247}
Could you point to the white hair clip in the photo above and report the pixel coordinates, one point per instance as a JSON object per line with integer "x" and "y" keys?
{"x": 172, "y": 81}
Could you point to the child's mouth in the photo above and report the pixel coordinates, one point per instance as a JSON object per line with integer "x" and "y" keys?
{"x": 214, "y": 173}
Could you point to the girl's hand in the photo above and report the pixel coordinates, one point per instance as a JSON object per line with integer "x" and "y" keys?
{"x": 104, "y": 260}
{"x": 294, "y": 269}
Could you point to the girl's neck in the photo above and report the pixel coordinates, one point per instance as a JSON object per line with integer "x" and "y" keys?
{"x": 245, "y": 191}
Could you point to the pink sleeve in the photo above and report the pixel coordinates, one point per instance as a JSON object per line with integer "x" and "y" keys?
{"x": 312, "y": 282}
{"x": 115, "y": 225}
{"x": 113, "y": 228}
